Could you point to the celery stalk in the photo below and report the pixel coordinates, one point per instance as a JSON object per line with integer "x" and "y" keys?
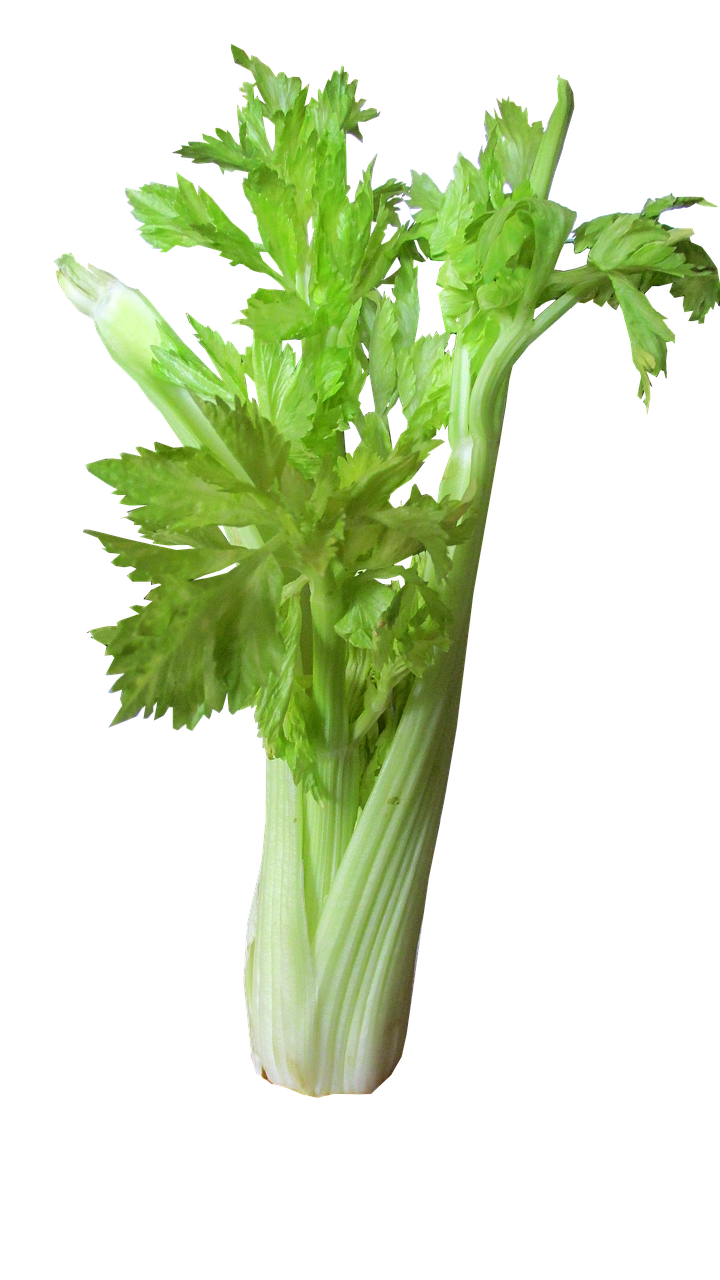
{"x": 283, "y": 575}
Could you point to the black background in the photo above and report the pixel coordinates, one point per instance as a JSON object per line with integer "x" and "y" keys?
{"x": 554, "y": 918}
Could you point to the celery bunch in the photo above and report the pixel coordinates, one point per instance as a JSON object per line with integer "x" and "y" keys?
{"x": 284, "y": 577}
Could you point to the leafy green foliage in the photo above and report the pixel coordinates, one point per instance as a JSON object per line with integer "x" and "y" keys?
{"x": 231, "y": 366}
{"x": 368, "y": 599}
{"x": 198, "y": 643}
{"x": 184, "y": 215}
{"x": 237, "y": 625}
{"x": 698, "y": 286}
{"x": 628, "y": 254}
{"x": 648, "y": 333}
{"x": 285, "y": 572}
{"x": 498, "y": 241}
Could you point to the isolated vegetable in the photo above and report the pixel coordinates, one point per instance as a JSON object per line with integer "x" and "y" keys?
{"x": 286, "y": 578}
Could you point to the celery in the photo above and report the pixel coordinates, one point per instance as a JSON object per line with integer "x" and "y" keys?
{"x": 283, "y": 575}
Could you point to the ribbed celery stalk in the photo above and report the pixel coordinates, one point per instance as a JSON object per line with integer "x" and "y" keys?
{"x": 296, "y": 618}
{"x": 329, "y": 823}
{"x": 350, "y": 975}
{"x": 131, "y": 329}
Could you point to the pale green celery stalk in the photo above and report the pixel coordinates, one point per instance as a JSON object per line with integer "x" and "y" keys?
{"x": 328, "y": 987}
{"x": 129, "y": 327}
{"x": 280, "y": 981}
{"x": 329, "y": 1000}
{"x": 459, "y": 468}
{"x": 329, "y": 821}
{"x": 460, "y": 434}
{"x": 553, "y": 140}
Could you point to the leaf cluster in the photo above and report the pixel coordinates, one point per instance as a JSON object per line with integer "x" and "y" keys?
{"x": 235, "y": 547}
{"x": 629, "y": 254}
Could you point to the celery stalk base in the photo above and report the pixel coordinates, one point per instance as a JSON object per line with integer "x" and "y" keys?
{"x": 329, "y": 987}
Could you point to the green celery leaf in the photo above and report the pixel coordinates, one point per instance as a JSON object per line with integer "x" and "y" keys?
{"x": 699, "y": 288}
{"x": 457, "y": 209}
{"x": 424, "y": 522}
{"x": 513, "y": 142}
{"x": 375, "y": 433}
{"x": 552, "y": 224}
{"x": 424, "y": 376}
{"x": 407, "y": 302}
{"x": 648, "y": 333}
{"x": 340, "y": 241}
{"x": 183, "y": 369}
{"x": 367, "y": 481}
{"x": 338, "y": 108}
{"x": 276, "y": 314}
{"x": 275, "y": 697}
{"x": 197, "y": 644}
{"x": 406, "y": 639}
{"x": 587, "y": 233}
{"x": 185, "y": 216}
{"x": 502, "y": 237}
{"x": 209, "y": 536}
{"x": 229, "y": 362}
{"x": 282, "y": 224}
{"x": 653, "y": 208}
{"x": 285, "y": 390}
{"x": 279, "y": 92}
{"x": 380, "y": 255}
{"x": 252, "y": 439}
{"x": 631, "y": 242}
{"x": 383, "y": 367}
{"x": 295, "y": 742}
{"x": 368, "y": 600}
{"x": 387, "y": 197}
{"x": 141, "y": 477}
{"x": 176, "y": 489}
{"x": 221, "y": 150}
{"x": 426, "y": 198}
{"x": 157, "y": 564}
